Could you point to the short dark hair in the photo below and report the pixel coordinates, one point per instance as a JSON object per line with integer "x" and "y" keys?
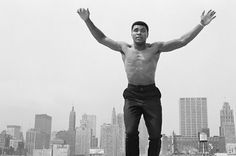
{"x": 140, "y": 23}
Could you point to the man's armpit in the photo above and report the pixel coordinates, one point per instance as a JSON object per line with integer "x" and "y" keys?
{"x": 157, "y": 46}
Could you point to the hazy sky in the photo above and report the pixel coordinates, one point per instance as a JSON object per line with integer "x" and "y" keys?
{"x": 49, "y": 61}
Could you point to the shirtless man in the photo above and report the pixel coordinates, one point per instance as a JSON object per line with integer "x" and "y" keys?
{"x": 142, "y": 97}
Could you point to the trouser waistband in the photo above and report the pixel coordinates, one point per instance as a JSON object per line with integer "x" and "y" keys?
{"x": 141, "y": 86}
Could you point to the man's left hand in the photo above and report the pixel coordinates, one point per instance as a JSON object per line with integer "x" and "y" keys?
{"x": 207, "y": 18}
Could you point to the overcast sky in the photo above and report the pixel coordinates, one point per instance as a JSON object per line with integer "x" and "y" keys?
{"x": 49, "y": 61}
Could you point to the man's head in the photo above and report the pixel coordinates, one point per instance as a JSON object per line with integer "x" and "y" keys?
{"x": 139, "y": 32}
{"x": 140, "y": 23}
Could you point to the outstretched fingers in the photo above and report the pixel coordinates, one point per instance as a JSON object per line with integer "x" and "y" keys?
{"x": 203, "y": 13}
{"x": 82, "y": 10}
{"x": 208, "y": 17}
{"x": 213, "y": 17}
{"x": 212, "y": 14}
{"x": 84, "y": 13}
{"x": 79, "y": 10}
{"x": 209, "y": 11}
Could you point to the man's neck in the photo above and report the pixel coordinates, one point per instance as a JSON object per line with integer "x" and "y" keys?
{"x": 140, "y": 46}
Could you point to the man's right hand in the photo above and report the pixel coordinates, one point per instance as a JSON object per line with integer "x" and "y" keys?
{"x": 84, "y": 13}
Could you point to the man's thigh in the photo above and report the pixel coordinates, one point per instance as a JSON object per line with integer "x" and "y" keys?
{"x": 132, "y": 115}
{"x": 152, "y": 112}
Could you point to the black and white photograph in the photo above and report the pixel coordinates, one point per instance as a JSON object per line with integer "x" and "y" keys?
{"x": 117, "y": 78}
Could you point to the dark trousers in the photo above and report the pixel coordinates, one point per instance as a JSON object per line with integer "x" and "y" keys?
{"x": 142, "y": 100}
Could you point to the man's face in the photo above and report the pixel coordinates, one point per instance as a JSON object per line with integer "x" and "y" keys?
{"x": 139, "y": 34}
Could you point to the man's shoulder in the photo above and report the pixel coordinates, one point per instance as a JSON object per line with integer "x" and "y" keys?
{"x": 155, "y": 47}
{"x": 156, "y": 44}
{"x": 124, "y": 44}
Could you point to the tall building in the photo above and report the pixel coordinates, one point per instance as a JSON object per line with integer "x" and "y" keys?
{"x": 15, "y": 132}
{"x": 121, "y": 135}
{"x": 108, "y": 140}
{"x": 35, "y": 140}
{"x": 71, "y": 133}
{"x": 193, "y": 116}
{"x": 43, "y": 124}
{"x": 94, "y": 142}
{"x": 82, "y": 141}
{"x": 72, "y": 120}
{"x": 113, "y": 118}
{"x": 118, "y": 140}
{"x": 68, "y": 138}
{"x": 91, "y": 122}
{"x": 227, "y": 127}
{"x": 4, "y": 140}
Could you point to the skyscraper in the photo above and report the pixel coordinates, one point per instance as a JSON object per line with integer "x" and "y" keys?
{"x": 227, "y": 127}
{"x": 43, "y": 124}
{"x": 113, "y": 118}
{"x": 15, "y": 132}
{"x": 72, "y": 120}
{"x": 71, "y": 133}
{"x": 35, "y": 140}
{"x": 193, "y": 116}
{"x": 90, "y": 121}
{"x": 108, "y": 140}
{"x": 121, "y": 135}
{"x": 68, "y": 137}
{"x": 83, "y": 137}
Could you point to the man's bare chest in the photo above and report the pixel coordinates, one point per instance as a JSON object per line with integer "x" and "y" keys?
{"x": 145, "y": 56}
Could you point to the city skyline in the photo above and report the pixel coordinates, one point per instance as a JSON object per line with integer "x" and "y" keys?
{"x": 50, "y": 62}
{"x": 92, "y": 118}
{"x": 111, "y": 134}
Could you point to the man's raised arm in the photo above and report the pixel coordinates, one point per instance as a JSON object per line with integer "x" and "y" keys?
{"x": 98, "y": 34}
{"x": 185, "y": 39}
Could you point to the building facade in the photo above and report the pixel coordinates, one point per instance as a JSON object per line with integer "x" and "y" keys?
{"x": 82, "y": 141}
{"x": 68, "y": 138}
{"x": 36, "y": 140}
{"x": 15, "y": 132}
{"x": 121, "y": 134}
{"x": 61, "y": 150}
{"x": 216, "y": 144}
{"x": 43, "y": 124}
{"x": 193, "y": 116}
{"x": 4, "y": 142}
{"x": 227, "y": 126}
{"x": 91, "y": 122}
{"x": 113, "y": 117}
{"x": 108, "y": 140}
{"x": 72, "y": 120}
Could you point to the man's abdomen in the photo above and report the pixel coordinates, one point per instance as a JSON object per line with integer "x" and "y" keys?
{"x": 141, "y": 78}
